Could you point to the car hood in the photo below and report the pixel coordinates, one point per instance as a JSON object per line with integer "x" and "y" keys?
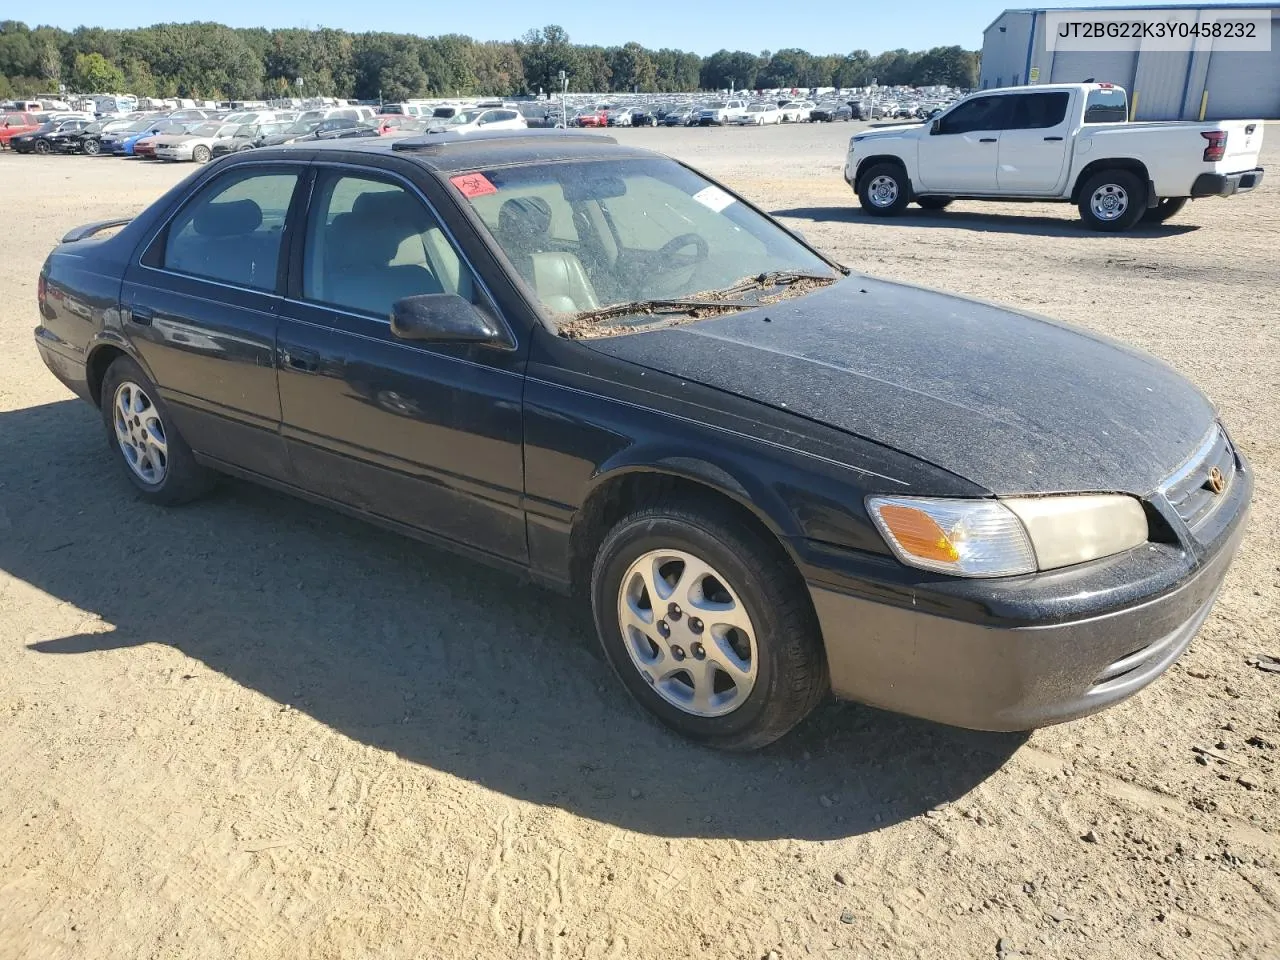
{"x": 880, "y": 133}
{"x": 1013, "y": 402}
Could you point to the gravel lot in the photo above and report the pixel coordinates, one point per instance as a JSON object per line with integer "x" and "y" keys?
{"x": 251, "y": 728}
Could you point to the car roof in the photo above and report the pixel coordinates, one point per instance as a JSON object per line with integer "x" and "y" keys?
{"x": 452, "y": 152}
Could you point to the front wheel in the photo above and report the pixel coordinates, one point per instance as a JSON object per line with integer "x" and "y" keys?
{"x": 91, "y": 148}
{"x": 200, "y": 154}
{"x": 42, "y": 146}
{"x": 145, "y": 440}
{"x": 708, "y": 624}
{"x": 1165, "y": 209}
{"x": 1112, "y": 201}
{"x": 884, "y": 190}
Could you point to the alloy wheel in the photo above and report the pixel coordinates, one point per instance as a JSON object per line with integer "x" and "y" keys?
{"x": 140, "y": 433}
{"x": 688, "y": 633}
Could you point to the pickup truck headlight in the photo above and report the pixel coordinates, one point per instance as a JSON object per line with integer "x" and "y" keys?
{"x": 1001, "y": 538}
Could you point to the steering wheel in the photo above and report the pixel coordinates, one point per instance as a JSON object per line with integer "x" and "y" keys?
{"x": 670, "y": 258}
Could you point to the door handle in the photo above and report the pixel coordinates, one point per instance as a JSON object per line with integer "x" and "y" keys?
{"x": 987, "y": 140}
{"x": 1058, "y": 139}
{"x": 142, "y": 316}
{"x": 304, "y": 361}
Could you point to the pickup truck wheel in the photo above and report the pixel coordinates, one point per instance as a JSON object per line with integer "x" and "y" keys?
{"x": 143, "y": 437}
{"x": 1112, "y": 201}
{"x": 883, "y": 190}
{"x": 935, "y": 203}
{"x": 1166, "y": 209}
{"x": 707, "y": 623}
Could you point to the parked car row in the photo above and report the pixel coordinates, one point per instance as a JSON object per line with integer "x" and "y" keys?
{"x": 197, "y": 135}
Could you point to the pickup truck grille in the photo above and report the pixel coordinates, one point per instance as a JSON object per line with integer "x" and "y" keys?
{"x": 1198, "y": 487}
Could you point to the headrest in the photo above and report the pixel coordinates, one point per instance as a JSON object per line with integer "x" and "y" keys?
{"x": 230, "y": 219}
{"x": 356, "y": 241}
{"x": 391, "y": 207}
{"x": 525, "y": 217}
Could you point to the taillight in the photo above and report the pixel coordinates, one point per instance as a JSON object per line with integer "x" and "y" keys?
{"x": 1217, "y": 148}
{"x": 42, "y": 290}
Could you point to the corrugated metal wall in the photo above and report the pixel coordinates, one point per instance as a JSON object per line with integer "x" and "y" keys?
{"x": 1158, "y": 84}
{"x": 1169, "y": 85}
{"x": 1243, "y": 86}
{"x": 1105, "y": 66}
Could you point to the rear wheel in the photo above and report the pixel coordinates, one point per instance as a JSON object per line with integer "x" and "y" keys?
{"x": 1112, "y": 201}
{"x": 883, "y": 190}
{"x": 935, "y": 203}
{"x": 142, "y": 435}
{"x": 200, "y": 154}
{"x": 707, "y": 624}
{"x": 1164, "y": 210}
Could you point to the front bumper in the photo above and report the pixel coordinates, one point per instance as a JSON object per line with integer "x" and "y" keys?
{"x": 172, "y": 153}
{"x": 1015, "y": 665}
{"x": 1226, "y": 184}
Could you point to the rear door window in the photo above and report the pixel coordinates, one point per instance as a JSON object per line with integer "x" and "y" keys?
{"x": 231, "y": 232}
{"x": 1037, "y": 111}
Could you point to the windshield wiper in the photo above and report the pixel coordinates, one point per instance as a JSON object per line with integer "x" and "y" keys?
{"x": 652, "y": 307}
{"x": 777, "y": 278}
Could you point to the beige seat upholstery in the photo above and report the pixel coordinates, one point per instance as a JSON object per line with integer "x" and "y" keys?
{"x": 562, "y": 283}
{"x": 559, "y": 279}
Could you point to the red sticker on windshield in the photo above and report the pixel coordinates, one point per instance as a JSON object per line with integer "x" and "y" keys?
{"x": 473, "y": 184}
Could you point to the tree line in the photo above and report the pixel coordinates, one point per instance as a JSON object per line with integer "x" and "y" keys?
{"x": 216, "y": 62}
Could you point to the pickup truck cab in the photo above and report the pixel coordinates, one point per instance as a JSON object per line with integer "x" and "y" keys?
{"x": 1064, "y": 142}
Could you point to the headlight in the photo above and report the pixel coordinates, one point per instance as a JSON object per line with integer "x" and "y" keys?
{"x": 1000, "y": 538}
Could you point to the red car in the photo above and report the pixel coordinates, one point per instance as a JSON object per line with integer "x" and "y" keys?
{"x": 16, "y": 124}
{"x": 597, "y": 118}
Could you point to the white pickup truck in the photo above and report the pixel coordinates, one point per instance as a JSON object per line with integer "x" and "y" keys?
{"x": 1064, "y": 142}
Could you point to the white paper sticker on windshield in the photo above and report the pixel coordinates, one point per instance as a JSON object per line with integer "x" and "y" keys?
{"x": 713, "y": 198}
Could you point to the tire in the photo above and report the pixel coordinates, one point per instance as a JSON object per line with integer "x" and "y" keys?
{"x": 42, "y": 146}
{"x": 200, "y": 154}
{"x": 782, "y": 650}
{"x": 935, "y": 203}
{"x": 1127, "y": 203}
{"x": 91, "y": 148}
{"x": 884, "y": 190}
{"x": 179, "y": 478}
{"x": 1167, "y": 208}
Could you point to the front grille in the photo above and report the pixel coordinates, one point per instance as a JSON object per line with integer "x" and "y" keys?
{"x": 1191, "y": 490}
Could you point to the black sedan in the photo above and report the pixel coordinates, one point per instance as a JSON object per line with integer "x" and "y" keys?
{"x": 41, "y": 140}
{"x": 588, "y": 363}
{"x": 830, "y": 112}
{"x": 86, "y": 139}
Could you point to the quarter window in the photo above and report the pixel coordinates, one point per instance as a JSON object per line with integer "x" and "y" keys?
{"x": 371, "y": 242}
{"x": 232, "y": 231}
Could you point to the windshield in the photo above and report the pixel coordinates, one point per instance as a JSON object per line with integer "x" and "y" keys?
{"x": 302, "y": 126}
{"x": 595, "y": 234}
{"x": 718, "y": 105}
{"x": 206, "y": 129}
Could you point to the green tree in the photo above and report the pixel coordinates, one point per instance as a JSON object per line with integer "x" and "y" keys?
{"x": 93, "y": 74}
{"x": 632, "y": 68}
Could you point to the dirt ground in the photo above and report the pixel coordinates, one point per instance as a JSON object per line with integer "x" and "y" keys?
{"x": 251, "y": 728}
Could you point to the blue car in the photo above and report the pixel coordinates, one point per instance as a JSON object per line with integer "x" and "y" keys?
{"x": 121, "y": 142}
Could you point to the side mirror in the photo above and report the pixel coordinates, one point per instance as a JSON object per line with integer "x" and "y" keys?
{"x": 935, "y": 127}
{"x": 443, "y": 318}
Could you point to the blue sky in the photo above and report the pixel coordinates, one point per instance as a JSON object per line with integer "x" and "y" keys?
{"x": 825, "y": 26}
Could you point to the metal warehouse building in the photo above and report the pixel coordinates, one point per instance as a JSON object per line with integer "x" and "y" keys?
{"x": 1162, "y": 84}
